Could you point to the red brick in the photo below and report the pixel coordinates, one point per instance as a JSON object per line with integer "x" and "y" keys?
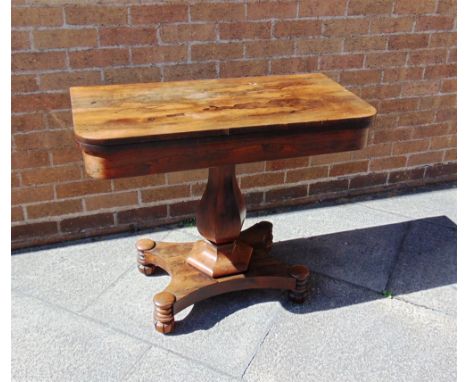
{"x": 341, "y": 61}
{"x": 368, "y": 180}
{"x": 243, "y": 68}
{"x": 95, "y": 15}
{"x": 98, "y": 58}
{"x": 36, "y": 16}
{"x": 440, "y": 170}
{"x": 183, "y": 208}
{"x": 189, "y": 71}
{"x": 378, "y": 164}
{"x": 15, "y": 180}
{"x": 20, "y": 40}
{"x": 111, "y": 200}
{"x": 289, "y": 163}
{"x": 446, "y": 115}
{"x": 82, "y": 187}
{"x": 23, "y": 84}
{"x": 253, "y": 199}
{"x": 262, "y": 180}
{"x": 429, "y": 131}
{"x": 297, "y": 28}
{"x": 142, "y": 217}
{"x": 42, "y": 210}
{"x": 128, "y": 36}
{"x": 271, "y": 9}
{"x": 428, "y": 56}
{"x": 319, "y": 45}
{"x": 449, "y": 86}
{"x": 402, "y": 74}
{"x": 398, "y": 105}
{"x": 59, "y": 119}
{"x": 391, "y": 24}
{"x": 365, "y": 43}
{"x": 282, "y": 194}
{"x": 379, "y": 92}
{"x": 217, "y": 12}
{"x": 410, "y": 146}
{"x": 188, "y": 32}
{"x": 328, "y": 186}
{"x": 345, "y": 27}
{"x": 132, "y": 75}
{"x": 32, "y": 194}
{"x": 385, "y": 59}
{"x": 245, "y": 30}
{"x": 153, "y": 14}
{"x": 64, "y": 80}
{"x": 86, "y": 223}
{"x": 450, "y": 155}
{"x": 26, "y": 122}
{"x": 366, "y": 7}
{"x": 452, "y": 58}
{"x": 447, "y": 7}
{"x": 294, "y": 65}
{"x": 406, "y": 175}
{"x": 179, "y": 177}
{"x": 361, "y": 77}
{"x": 164, "y": 53}
{"x": 443, "y": 142}
{"x": 250, "y": 168}
{"x": 165, "y": 193}
{"x": 434, "y": 102}
{"x": 65, "y": 38}
{"x": 37, "y": 61}
{"x": 31, "y": 230}
{"x": 408, "y": 41}
{"x": 66, "y": 155}
{"x": 391, "y": 135}
{"x": 219, "y": 51}
{"x": 420, "y": 88}
{"x": 51, "y": 175}
{"x": 385, "y": 121}
{"x": 440, "y": 71}
{"x": 44, "y": 140}
{"x": 425, "y": 158}
{"x": 315, "y": 8}
{"x": 269, "y": 48}
{"x": 39, "y": 102}
{"x": 443, "y": 40}
{"x": 29, "y": 159}
{"x": 373, "y": 151}
{"x": 414, "y": 7}
{"x": 330, "y": 158}
{"x": 299, "y": 175}
{"x": 413, "y": 118}
{"x": 17, "y": 214}
{"x": 139, "y": 182}
{"x": 349, "y": 168}
{"x": 432, "y": 23}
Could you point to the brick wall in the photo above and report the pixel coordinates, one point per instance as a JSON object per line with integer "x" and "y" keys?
{"x": 399, "y": 55}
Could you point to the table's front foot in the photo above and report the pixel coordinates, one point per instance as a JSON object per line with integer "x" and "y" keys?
{"x": 164, "y": 312}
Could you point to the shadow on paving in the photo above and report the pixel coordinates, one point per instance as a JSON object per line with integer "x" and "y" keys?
{"x": 401, "y": 259}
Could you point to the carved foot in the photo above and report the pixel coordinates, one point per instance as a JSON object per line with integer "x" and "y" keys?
{"x": 301, "y": 274}
{"x": 164, "y": 312}
{"x": 259, "y": 237}
{"x": 144, "y": 266}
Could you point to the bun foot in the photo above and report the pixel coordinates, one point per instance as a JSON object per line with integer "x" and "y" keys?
{"x": 301, "y": 274}
{"x": 142, "y": 246}
{"x": 164, "y": 312}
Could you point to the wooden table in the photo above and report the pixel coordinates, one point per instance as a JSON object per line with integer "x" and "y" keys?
{"x": 140, "y": 129}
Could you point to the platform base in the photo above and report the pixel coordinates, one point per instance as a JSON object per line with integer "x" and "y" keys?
{"x": 188, "y": 285}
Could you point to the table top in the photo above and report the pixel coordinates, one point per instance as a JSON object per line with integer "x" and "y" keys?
{"x": 119, "y": 114}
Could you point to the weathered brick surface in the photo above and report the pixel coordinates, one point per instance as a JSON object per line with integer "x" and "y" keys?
{"x": 398, "y": 55}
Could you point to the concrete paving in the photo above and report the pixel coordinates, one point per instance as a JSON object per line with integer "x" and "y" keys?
{"x": 382, "y": 304}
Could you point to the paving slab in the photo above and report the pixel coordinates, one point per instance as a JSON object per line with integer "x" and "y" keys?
{"x": 161, "y": 365}
{"x": 223, "y": 331}
{"x": 419, "y": 205}
{"x": 345, "y": 333}
{"x": 363, "y": 256}
{"x": 75, "y": 275}
{"x": 50, "y": 344}
{"x": 426, "y": 270}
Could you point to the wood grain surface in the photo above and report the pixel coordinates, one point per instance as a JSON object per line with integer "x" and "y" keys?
{"x": 117, "y": 114}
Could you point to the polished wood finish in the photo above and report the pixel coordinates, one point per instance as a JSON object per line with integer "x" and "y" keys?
{"x": 188, "y": 286}
{"x": 138, "y": 129}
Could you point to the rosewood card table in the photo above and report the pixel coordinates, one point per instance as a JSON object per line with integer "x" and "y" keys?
{"x": 141, "y": 129}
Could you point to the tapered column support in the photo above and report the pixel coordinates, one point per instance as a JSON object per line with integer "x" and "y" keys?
{"x": 220, "y": 216}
